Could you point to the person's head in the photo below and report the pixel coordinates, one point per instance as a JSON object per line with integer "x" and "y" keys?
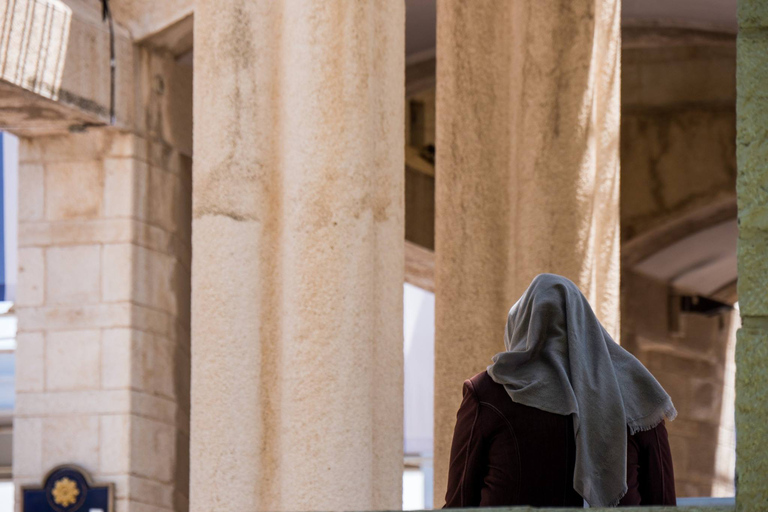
{"x": 541, "y": 310}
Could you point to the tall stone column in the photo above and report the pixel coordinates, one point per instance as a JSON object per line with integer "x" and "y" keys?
{"x": 527, "y": 174}
{"x": 298, "y": 255}
{"x": 751, "y": 186}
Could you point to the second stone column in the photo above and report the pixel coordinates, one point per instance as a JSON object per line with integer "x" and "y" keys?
{"x": 297, "y": 255}
{"x": 527, "y": 174}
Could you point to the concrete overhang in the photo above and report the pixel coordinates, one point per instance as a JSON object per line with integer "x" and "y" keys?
{"x": 55, "y": 67}
{"x": 147, "y": 18}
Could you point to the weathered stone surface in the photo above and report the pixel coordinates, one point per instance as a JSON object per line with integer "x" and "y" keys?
{"x": 117, "y": 272}
{"x": 115, "y": 444}
{"x": 74, "y": 190}
{"x": 753, "y": 14}
{"x": 691, "y": 362}
{"x": 298, "y": 265}
{"x": 31, "y": 290}
{"x": 753, "y": 267}
{"x": 116, "y": 358}
{"x": 28, "y": 447}
{"x": 64, "y": 436}
{"x": 63, "y": 403}
{"x": 678, "y": 125}
{"x": 73, "y": 275}
{"x": 153, "y": 449}
{"x": 73, "y": 360}
{"x": 527, "y": 177}
{"x": 98, "y": 289}
{"x": 30, "y": 362}
{"x": 751, "y": 407}
{"x": 124, "y": 187}
{"x": 31, "y": 192}
{"x": 752, "y": 347}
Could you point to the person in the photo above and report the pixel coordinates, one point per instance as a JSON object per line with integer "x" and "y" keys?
{"x": 564, "y": 416}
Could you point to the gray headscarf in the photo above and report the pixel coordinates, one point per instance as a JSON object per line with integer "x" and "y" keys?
{"x": 560, "y": 359}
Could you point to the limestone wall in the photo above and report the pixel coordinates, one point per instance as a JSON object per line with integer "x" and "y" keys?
{"x": 678, "y": 158}
{"x": 690, "y": 362}
{"x": 678, "y": 125}
{"x": 103, "y": 307}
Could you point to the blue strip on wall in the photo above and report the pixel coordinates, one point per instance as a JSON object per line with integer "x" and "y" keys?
{"x": 3, "y": 287}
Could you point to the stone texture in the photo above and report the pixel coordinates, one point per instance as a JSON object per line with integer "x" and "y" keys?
{"x": 298, "y": 267}
{"x": 115, "y": 444}
{"x": 692, "y": 363}
{"x": 107, "y": 367}
{"x": 31, "y": 290}
{"x": 74, "y": 190}
{"x": 154, "y": 366}
{"x": 27, "y": 447}
{"x": 753, "y": 14}
{"x": 73, "y": 275}
{"x": 62, "y": 403}
{"x": 752, "y": 346}
{"x": 527, "y": 174}
{"x": 30, "y": 358}
{"x": 751, "y": 407}
{"x": 65, "y": 436}
{"x": 153, "y": 446}
{"x": 678, "y": 125}
{"x": 31, "y": 192}
{"x": 73, "y": 360}
{"x": 117, "y": 272}
{"x": 125, "y": 183}
{"x": 116, "y": 358}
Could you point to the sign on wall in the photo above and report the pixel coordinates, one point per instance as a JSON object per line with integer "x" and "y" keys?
{"x": 67, "y": 489}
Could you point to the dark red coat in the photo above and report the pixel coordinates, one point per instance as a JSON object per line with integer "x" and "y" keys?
{"x": 506, "y": 454}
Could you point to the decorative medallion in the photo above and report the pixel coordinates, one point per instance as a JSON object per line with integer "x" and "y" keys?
{"x": 67, "y": 489}
{"x": 65, "y": 492}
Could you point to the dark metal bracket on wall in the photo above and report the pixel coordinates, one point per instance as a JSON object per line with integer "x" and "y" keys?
{"x": 691, "y": 304}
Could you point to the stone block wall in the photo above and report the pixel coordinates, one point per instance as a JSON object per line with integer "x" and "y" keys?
{"x": 693, "y": 360}
{"x": 103, "y": 305}
{"x": 678, "y": 125}
{"x": 678, "y": 160}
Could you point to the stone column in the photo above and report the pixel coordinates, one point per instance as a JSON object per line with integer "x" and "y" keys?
{"x": 527, "y": 174}
{"x": 751, "y": 186}
{"x": 298, "y": 255}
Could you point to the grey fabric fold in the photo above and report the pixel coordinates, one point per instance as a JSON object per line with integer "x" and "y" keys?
{"x": 560, "y": 359}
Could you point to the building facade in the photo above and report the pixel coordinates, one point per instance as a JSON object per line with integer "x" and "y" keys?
{"x": 219, "y": 204}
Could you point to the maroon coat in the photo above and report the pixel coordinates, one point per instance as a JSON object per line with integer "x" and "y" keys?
{"x": 506, "y": 454}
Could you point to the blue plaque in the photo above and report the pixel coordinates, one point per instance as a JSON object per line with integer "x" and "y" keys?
{"x": 67, "y": 488}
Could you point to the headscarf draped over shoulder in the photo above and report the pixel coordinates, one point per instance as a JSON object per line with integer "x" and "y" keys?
{"x": 560, "y": 359}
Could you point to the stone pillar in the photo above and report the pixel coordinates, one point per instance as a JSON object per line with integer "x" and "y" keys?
{"x": 297, "y": 273}
{"x": 527, "y": 174}
{"x": 751, "y": 186}
{"x": 103, "y": 306}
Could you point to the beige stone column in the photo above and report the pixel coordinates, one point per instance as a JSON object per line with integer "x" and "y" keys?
{"x": 298, "y": 255}
{"x": 751, "y": 185}
{"x": 527, "y": 174}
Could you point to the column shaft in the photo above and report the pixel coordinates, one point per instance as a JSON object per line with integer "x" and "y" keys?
{"x": 528, "y": 174}
{"x": 751, "y": 186}
{"x": 298, "y": 255}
